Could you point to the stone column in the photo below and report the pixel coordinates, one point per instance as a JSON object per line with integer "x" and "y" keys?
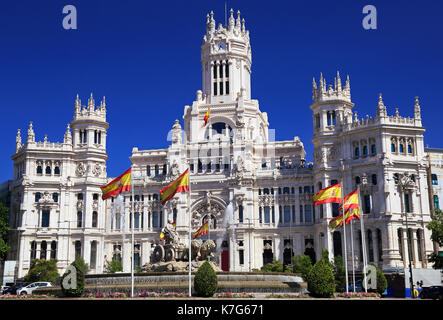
{"x": 375, "y": 245}
{"x": 415, "y": 260}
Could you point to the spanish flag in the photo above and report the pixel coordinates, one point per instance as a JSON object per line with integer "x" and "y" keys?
{"x": 204, "y": 229}
{"x": 327, "y": 195}
{"x": 181, "y": 184}
{"x": 206, "y": 118}
{"x": 350, "y": 215}
{"x": 120, "y": 184}
{"x": 174, "y": 224}
{"x": 350, "y": 201}
{"x": 162, "y": 236}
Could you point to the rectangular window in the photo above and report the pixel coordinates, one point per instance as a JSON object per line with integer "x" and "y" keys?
{"x": 407, "y": 206}
{"x": 293, "y": 214}
{"x": 227, "y": 87}
{"x": 436, "y": 202}
{"x": 215, "y": 88}
{"x": 260, "y": 215}
{"x": 308, "y": 213}
{"x": 287, "y": 214}
{"x": 367, "y": 203}
{"x": 221, "y": 88}
{"x": 301, "y": 214}
{"x": 335, "y": 211}
{"x": 155, "y": 219}
{"x": 317, "y": 121}
{"x": 307, "y": 189}
{"x": 241, "y": 257}
{"x": 434, "y": 179}
{"x": 45, "y": 218}
{"x": 240, "y": 213}
{"x": 267, "y": 214}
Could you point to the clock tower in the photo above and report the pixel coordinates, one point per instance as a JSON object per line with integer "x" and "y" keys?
{"x": 226, "y": 60}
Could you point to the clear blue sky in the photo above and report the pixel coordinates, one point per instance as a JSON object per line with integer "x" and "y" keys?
{"x": 144, "y": 56}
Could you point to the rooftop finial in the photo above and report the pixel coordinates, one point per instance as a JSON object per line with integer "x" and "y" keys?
{"x": 31, "y": 134}
{"x": 338, "y": 81}
{"x": 238, "y": 21}
{"x": 243, "y": 28}
{"x": 68, "y": 137}
{"x": 231, "y": 20}
{"x": 417, "y": 109}
{"x": 381, "y": 110}
{"x": 18, "y": 141}
{"x": 91, "y": 103}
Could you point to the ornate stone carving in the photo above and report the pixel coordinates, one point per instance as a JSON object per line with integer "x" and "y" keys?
{"x": 80, "y": 171}
{"x": 96, "y": 170}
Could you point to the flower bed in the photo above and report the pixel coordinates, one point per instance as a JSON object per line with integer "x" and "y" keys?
{"x": 288, "y": 296}
{"x": 233, "y": 295}
{"x": 356, "y": 295}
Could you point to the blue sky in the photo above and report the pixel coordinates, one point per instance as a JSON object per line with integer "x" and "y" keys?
{"x": 144, "y": 56}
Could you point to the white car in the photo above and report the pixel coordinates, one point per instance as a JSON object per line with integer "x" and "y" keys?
{"x": 31, "y": 287}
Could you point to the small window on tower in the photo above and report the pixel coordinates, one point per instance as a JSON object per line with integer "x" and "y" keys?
{"x": 227, "y": 69}
{"x": 227, "y": 87}
{"x": 215, "y": 88}
{"x": 221, "y": 88}
{"x": 215, "y": 71}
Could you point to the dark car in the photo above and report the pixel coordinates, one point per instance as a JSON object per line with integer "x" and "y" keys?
{"x": 13, "y": 289}
{"x": 433, "y": 292}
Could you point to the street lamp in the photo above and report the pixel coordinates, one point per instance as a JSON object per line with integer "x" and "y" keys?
{"x": 405, "y": 182}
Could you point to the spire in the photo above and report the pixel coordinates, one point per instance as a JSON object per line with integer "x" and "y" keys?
{"x": 91, "y": 103}
{"x": 417, "y": 109}
{"x": 314, "y": 84}
{"x": 18, "y": 141}
{"x": 238, "y": 21}
{"x": 212, "y": 23}
{"x": 68, "y": 137}
{"x": 321, "y": 83}
{"x": 338, "y": 82}
{"x": 31, "y": 134}
{"x": 78, "y": 105}
{"x": 231, "y": 20}
{"x": 103, "y": 104}
{"x": 381, "y": 109}
{"x": 348, "y": 84}
{"x": 243, "y": 28}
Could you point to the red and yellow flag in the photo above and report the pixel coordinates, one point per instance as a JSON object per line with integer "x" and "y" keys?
{"x": 204, "y": 229}
{"x": 350, "y": 201}
{"x": 327, "y": 195}
{"x": 181, "y": 184}
{"x": 120, "y": 184}
{"x": 162, "y": 236}
{"x": 350, "y": 215}
{"x": 206, "y": 118}
{"x": 174, "y": 224}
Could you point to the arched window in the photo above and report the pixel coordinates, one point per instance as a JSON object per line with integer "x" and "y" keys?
{"x": 79, "y": 196}
{"x": 155, "y": 196}
{"x": 57, "y": 170}
{"x": 38, "y": 195}
{"x": 55, "y": 197}
{"x": 286, "y": 190}
{"x": 373, "y": 149}
{"x": 266, "y": 191}
{"x": 401, "y": 148}
{"x": 409, "y": 148}
{"x": 392, "y": 147}
{"x": 94, "y": 219}
{"x": 356, "y": 152}
{"x": 357, "y": 180}
{"x": 43, "y": 248}
{"x": 48, "y": 170}
{"x": 365, "y": 150}
{"x": 219, "y": 127}
{"x": 53, "y": 250}
{"x": 374, "y": 179}
{"x": 39, "y": 170}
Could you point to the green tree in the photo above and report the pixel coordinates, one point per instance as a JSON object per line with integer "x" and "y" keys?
{"x": 321, "y": 282}
{"x": 205, "y": 280}
{"x": 338, "y": 269}
{"x": 114, "y": 266}
{"x": 302, "y": 264}
{"x": 4, "y": 228}
{"x": 436, "y": 227}
{"x": 81, "y": 268}
{"x": 42, "y": 270}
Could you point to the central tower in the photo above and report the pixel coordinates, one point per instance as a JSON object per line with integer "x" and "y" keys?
{"x": 226, "y": 60}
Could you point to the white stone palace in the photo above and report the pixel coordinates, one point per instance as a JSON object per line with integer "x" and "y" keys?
{"x": 57, "y": 211}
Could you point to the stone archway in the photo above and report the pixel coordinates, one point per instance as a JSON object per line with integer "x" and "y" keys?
{"x": 208, "y": 206}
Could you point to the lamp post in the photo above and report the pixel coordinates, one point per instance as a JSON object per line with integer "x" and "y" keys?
{"x": 404, "y": 182}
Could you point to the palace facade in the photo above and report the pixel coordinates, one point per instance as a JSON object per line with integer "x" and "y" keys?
{"x": 57, "y": 211}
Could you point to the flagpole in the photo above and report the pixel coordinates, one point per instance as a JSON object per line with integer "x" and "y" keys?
{"x": 344, "y": 236}
{"x": 189, "y": 231}
{"x": 363, "y": 240}
{"x": 352, "y": 248}
{"x": 132, "y": 234}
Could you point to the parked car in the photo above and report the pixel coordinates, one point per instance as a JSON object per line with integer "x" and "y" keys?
{"x": 433, "y": 292}
{"x": 3, "y": 289}
{"x": 31, "y": 287}
{"x": 13, "y": 289}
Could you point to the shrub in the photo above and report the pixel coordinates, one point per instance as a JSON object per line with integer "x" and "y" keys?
{"x": 205, "y": 280}
{"x": 339, "y": 274}
{"x": 274, "y": 266}
{"x": 321, "y": 280}
{"x": 42, "y": 270}
{"x": 302, "y": 265}
{"x": 81, "y": 268}
{"x": 113, "y": 266}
